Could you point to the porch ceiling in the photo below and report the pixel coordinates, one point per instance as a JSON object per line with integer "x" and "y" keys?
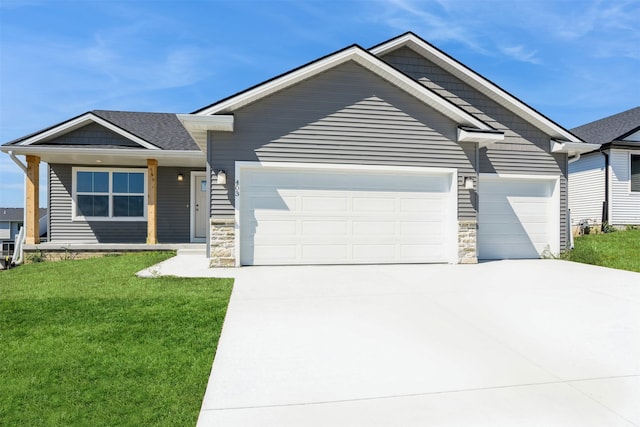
{"x": 113, "y": 157}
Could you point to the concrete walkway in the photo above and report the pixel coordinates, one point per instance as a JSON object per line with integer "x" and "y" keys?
{"x": 507, "y": 343}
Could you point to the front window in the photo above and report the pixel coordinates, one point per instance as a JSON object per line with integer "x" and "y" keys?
{"x": 635, "y": 172}
{"x": 103, "y": 194}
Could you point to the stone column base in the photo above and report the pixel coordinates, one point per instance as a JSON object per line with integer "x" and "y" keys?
{"x": 467, "y": 242}
{"x": 223, "y": 250}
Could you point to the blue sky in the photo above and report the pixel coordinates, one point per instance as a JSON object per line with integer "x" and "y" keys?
{"x": 574, "y": 61}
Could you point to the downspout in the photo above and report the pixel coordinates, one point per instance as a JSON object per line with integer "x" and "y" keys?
{"x": 569, "y": 161}
{"x": 21, "y": 234}
{"x": 605, "y": 206}
{"x": 574, "y": 159}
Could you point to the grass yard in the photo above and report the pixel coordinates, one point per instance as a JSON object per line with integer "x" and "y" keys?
{"x": 620, "y": 250}
{"x": 86, "y": 342}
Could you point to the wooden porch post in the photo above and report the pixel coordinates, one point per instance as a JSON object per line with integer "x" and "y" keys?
{"x": 152, "y": 202}
{"x": 33, "y": 200}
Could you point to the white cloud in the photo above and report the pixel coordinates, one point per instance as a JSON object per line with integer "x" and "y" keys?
{"x": 520, "y": 53}
{"x": 431, "y": 20}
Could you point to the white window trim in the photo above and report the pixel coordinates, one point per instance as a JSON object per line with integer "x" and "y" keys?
{"x": 109, "y": 218}
{"x": 632, "y": 192}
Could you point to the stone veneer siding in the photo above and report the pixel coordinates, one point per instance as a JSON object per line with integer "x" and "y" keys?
{"x": 223, "y": 251}
{"x": 467, "y": 242}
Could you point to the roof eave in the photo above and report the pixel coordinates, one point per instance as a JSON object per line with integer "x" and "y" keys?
{"x": 482, "y": 137}
{"x": 573, "y": 148}
{"x": 76, "y": 123}
{"x": 198, "y": 126}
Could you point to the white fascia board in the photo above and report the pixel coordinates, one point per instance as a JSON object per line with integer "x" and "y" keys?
{"x": 44, "y": 151}
{"x": 483, "y": 138}
{"x": 197, "y": 122}
{"x": 79, "y": 122}
{"x": 477, "y": 81}
{"x": 572, "y": 148}
{"x": 364, "y": 59}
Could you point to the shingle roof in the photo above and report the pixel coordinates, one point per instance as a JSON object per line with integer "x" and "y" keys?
{"x": 163, "y": 130}
{"x": 16, "y": 214}
{"x": 612, "y": 128}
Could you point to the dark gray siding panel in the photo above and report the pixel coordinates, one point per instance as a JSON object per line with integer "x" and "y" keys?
{"x": 173, "y": 212}
{"x": 92, "y": 134}
{"x": 346, "y": 115}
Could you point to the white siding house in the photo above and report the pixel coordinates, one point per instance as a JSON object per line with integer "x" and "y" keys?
{"x": 607, "y": 182}
{"x": 586, "y": 189}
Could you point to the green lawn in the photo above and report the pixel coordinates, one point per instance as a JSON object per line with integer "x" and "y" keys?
{"x": 87, "y": 343}
{"x": 620, "y": 250}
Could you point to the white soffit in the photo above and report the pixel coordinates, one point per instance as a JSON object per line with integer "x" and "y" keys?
{"x": 198, "y": 126}
{"x": 366, "y": 60}
{"x": 477, "y": 81}
{"x": 483, "y": 138}
{"x": 572, "y": 148}
{"x": 79, "y": 122}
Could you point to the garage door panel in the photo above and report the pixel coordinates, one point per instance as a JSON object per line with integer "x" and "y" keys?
{"x": 516, "y": 217}
{"x": 323, "y": 228}
{"x": 345, "y": 217}
{"x": 323, "y": 203}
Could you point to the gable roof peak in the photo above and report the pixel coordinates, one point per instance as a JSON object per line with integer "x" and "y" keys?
{"x": 475, "y": 80}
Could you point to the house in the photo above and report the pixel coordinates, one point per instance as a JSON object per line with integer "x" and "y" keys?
{"x": 11, "y": 220}
{"x": 395, "y": 154}
{"x": 605, "y": 184}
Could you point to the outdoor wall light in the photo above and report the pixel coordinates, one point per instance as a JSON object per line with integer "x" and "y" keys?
{"x": 221, "y": 177}
{"x": 468, "y": 183}
{"x": 180, "y": 177}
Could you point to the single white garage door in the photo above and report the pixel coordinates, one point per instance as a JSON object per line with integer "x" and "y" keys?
{"x": 518, "y": 217}
{"x": 343, "y": 216}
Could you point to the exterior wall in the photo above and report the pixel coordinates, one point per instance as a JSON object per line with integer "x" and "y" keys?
{"x": 624, "y": 205}
{"x": 173, "y": 212}
{"x": 346, "y": 115}
{"x": 525, "y": 149}
{"x": 587, "y": 188}
{"x": 92, "y": 134}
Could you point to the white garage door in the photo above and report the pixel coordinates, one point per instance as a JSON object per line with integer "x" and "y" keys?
{"x": 517, "y": 217}
{"x": 339, "y": 216}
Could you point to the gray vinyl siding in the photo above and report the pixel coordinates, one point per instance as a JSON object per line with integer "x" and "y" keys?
{"x": 525, "y": 149}
{"x": 92, "y": 134}
{"x": 346, "y": 115}
{"x": 173, "y": 212}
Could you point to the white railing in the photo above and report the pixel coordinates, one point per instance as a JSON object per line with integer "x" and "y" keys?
{"x": 18, "y": 253}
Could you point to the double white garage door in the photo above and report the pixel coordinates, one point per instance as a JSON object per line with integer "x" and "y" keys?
{"x": 345, "y": 216}
{"x": 336, "y": 215}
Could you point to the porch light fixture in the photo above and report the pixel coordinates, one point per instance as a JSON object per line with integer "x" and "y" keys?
{"x": 221, "y": 177}
{"x": 180, "y": 177}
{"x": 468, "y": 183}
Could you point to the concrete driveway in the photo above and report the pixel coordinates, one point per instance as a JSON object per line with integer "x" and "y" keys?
{"x": 506, "y": 343}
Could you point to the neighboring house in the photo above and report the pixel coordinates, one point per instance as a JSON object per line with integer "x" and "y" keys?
{"x": 604, "y": 186}
{"x": 396, "y": 154}
{"x": 11, "y": 219}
